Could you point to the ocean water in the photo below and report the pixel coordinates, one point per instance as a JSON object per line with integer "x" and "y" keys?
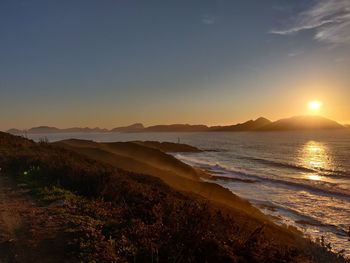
{"x": 300, "y": 178}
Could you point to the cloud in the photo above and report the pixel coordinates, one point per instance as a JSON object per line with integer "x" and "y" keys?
{"x": 340, "y": 60}
{"x": 330, "y": 20}
{"x": 208, "y": 19}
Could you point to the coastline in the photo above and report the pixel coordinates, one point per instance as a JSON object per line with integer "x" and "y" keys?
{"x": 78, "y": 164}
{"x": 273, "y": 197}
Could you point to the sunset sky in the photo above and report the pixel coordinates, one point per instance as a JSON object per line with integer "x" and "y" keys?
{"x": 109, "y": 63}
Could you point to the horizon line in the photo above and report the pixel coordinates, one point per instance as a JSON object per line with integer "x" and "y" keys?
{"x": 168, "y": 124}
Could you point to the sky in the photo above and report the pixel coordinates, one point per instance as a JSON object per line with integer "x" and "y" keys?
{"x": 111, "y": 63}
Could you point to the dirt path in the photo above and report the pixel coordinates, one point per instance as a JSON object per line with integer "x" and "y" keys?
{"x": 28, "y": 233}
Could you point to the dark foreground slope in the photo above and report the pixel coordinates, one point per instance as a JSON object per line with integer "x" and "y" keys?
{"x": 117, "y": 216}
{"x": 138, "y": 158}
{"x": 28, "y": 232}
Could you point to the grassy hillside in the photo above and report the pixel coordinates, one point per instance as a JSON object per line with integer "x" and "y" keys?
{"x": 138, "y": 158}
{"x": 121, "y": 216}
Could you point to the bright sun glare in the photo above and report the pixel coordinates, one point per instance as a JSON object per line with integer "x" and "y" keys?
{"x": 315, "y": 105}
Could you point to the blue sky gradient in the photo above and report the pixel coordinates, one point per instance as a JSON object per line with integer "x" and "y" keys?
{"x": 110, "y": 63}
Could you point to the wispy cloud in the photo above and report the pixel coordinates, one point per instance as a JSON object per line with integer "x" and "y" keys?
{"x": 330, "y": 20}
{"x": 208, "y": 19}
{"x": 340, "y": 60}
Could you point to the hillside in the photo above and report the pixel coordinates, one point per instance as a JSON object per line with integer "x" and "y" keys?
{"x": 260, "y": 124}
{"x": 250, "y": 125}
{"x": 131, "y": 128}
{"x": 302, "y": 123}
{"x": 137, "y": 158}
{"x": 47, "y": 130}
{"x": 106, "y": 214}
{"x": 177, "y": 128}
{"x": 169, "y": 147}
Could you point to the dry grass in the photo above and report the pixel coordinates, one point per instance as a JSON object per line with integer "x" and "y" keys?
{"x": 120, "y": 216}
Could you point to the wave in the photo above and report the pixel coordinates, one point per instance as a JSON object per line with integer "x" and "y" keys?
{"x": 300, "y": 218}
{"x": 326, "y": 188}
{"x": 277, "y": 164}
{"x": 326, "y": 172}
{"x": 228, "y": 178}
{"x": 199, "y": 162}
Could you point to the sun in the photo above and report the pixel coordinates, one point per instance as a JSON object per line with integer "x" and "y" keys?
{"x": 315, "y": 105}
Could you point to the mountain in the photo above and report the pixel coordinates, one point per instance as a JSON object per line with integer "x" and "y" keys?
{"x": 302, "y": 123}
{"x": 250, "y": 125}
{"x": 137, "y": 127}
{"x": 308, "y": 122}
{"x": 83, "y": 130}
{"x": 177, "y": 128}
{"x": 15, "y": 131}
{"x": 47, "y": 129}
{"x": 43, "y": 129}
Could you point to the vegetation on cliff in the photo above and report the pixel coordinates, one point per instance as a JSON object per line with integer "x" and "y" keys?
{"x": 113, "y": 215}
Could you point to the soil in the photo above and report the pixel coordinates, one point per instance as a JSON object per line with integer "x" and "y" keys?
{"x": 29, "y": 232}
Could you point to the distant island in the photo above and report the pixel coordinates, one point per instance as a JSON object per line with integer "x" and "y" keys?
{"x": 47, "y": 129}
{"x": 308, "y": 122}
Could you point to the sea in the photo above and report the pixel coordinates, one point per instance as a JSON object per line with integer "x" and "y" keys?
{"x": 301, "y": 179}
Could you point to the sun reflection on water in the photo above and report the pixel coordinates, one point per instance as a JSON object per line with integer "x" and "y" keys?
{"x": 314, "y": 177}
{"x": 315, "y": 155}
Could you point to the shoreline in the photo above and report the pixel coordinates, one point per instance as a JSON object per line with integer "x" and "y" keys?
{"x": 281, "y": 215}
{"x": 172, "y": 185}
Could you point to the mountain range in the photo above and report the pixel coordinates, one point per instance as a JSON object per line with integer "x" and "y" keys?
{"x": 308, "y": 122}
{"x": 246, "y": 126}
{"x": 47, "y": 129}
